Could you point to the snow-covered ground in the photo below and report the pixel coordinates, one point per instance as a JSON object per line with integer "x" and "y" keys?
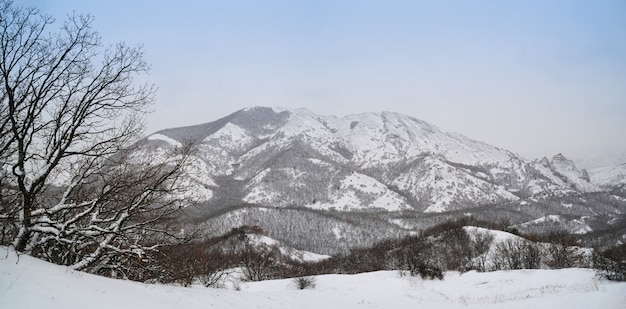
{"x": 30, "y": 283}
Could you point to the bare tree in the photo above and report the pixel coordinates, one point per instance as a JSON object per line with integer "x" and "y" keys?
{"x": 481, "y": 241}
{"x": 562, "y": 250}
{"x": 69, "y": 107}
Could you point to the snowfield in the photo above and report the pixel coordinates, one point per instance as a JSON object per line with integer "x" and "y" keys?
{"x": 26, "y": 282}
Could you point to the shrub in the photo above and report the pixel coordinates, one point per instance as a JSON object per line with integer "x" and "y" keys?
{"x": 195, "y": 261}
{"x": 304, "y": 282}
{"x": 419, "y": 256}
{"x": 611, "y": 263}
{"x": 261, "y": 264}
{"x": 427, "y": 271}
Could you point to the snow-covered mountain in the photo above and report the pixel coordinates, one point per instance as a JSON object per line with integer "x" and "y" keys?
{"x": 283, "y": 158}
{"x": 283, "y": 165}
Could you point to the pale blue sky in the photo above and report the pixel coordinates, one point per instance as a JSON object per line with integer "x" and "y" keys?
{"x": 534, "y": 77}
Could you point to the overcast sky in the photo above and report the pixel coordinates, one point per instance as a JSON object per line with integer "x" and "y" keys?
{"x": 535, "y": 77}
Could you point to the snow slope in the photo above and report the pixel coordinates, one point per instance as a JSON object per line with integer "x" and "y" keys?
{"x": 353, "y": 190}
{"x": 26, "y": 282}
{"x": 609, "y": 176}
{"x": 288, "y": 252}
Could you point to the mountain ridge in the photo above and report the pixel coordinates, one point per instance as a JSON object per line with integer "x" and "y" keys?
{"x": 444, "y": 168}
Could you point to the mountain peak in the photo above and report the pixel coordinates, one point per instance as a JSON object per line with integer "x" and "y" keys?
{"x": 562, "y": 162}
{"x": 566, "y": 170}
{"x": 560, "y": 157}
{"x": 545, "y": 162}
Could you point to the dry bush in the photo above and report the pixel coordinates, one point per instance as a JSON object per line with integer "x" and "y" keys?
{"x": 260, "y": 264}
{"x": 611, "y": 263}
{"x": 304, "y": 282}
{"x": 516, "y": 254}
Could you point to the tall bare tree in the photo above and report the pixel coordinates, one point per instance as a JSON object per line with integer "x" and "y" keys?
{"x": 68, "y": 107}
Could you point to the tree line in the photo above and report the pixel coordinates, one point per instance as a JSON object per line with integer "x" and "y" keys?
{"x": 455, "y": 245}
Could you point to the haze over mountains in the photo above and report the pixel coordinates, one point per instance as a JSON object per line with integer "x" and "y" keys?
{"x": 267, "y": 160}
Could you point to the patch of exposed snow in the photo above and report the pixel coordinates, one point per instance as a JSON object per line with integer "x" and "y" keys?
{"x": 319, "y": 162}
{"x": 167, "y": 139}
{"x": 401, "y": 223}
{"x": 230, "y": 137}
{"x": 337, "y": 231}
{"x": 358, "y": 191}
{"x": 548, "y": 218}
{"x": 584, "y": 230}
